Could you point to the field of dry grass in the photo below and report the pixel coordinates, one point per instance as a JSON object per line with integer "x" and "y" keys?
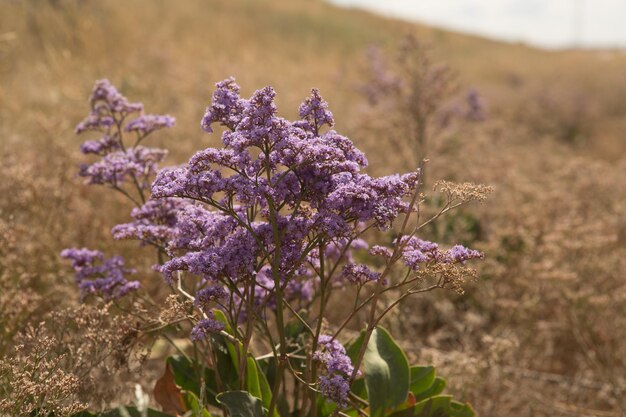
{"x": 541, "y": 334}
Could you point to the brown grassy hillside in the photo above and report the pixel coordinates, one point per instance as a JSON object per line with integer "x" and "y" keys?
{"x": 540, "y": 335}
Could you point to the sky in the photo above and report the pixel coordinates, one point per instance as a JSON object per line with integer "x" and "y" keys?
{"x": 544, "y": 23}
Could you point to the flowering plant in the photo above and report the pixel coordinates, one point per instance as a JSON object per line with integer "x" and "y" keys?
{"x": 256, "y": 240}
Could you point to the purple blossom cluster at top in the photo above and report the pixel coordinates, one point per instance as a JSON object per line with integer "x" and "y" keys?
{"x": 335, "y": 383}
{"x": 264, "y": 213}
{"x": 120, "y": 162}
{"x": 271, "y": 171}
{"x": 99, "y": 276}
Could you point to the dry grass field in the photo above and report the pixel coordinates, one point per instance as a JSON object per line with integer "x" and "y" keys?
{"x": 541, "y": 333}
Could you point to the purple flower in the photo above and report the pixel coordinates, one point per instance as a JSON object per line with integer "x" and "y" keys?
{"x": 102, "y": 146}
{"x": 153, "y": 223}
{"x": 208, "y": 295}
{"x": 205, "y": 327}
{"x": 105, "y": 94}
{"x": 382, "y": 82}
{"x": 119, "y": 163}
{"x": 118, "y": 167}
{"x": 337, "y": 367}
{"x": 359, "y": 274}
{"x": 95, "y": 122}
{"x": 461, "y": 254}
{"x": 227, "y": 106}
{"x": 96, "y": 275}
{"x": 476, "y": 111}
{"x": 335, "y": 388}
{"x": 269, "y": 162}
{"x": 148, "y": 123}
{"x": 381, "y": 251}
{"x": 314, "y": 110}
{"x": 416, "y": 252}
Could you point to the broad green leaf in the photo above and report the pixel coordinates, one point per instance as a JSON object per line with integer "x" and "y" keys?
{"x": 436, "y": 388}
{"x": 386, "y": 373}
{"x": 241, "y": 404}
{"x": 422, "y": 378}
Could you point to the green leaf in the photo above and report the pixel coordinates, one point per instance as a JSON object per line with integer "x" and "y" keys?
{"x": 358, "y": 388}
{"x": 230, "y": 347}
{"x": 325, "y": 408}
{"x": 386, "y": 373}
{"x": 432, "y": 407}
{"x": 266, "y": 391}
{"x": 186, "y": 374}
{"x": 436, "y": 388}
{"x": 353, "y": 348}
{"x": 221, "y": 317}
{"x": 461, "y": 410}
{"x": 241, "y": 404}
{"x": 187, "y": 377}
{"x": 193, "y": 404}
{"x": 252, "y": 379}
{"x": 422, "y": 378}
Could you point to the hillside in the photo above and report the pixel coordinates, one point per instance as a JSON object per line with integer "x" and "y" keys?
{"x": 540, "y": 334}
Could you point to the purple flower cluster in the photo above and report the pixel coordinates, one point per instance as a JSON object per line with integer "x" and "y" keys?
{"x": 117, "y": 167}
{"x": 105, "y": 145}
{"x": 119, "y": 163}
{"x": 335, "y": 382}
{"x": 476, "y": 109}
{"x": 146, "y": 124}
{"x": 359, "y": 274}
{"x": 382, "y": 81}
{"x": 300, "y": 288}
{"x": 268, "y": 164}
{"x": 108, "y": 107}
{"x": 416, "y": 252}
{"x": 153, "y": 223}
{"x": 205, "y": 327}
{"x": 314, "y": 112}
{"x": 212, "y": 294}
{"x": 96, "y": 275}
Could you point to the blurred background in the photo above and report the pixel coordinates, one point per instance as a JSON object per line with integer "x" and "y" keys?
{"x": 526, "y": 96}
